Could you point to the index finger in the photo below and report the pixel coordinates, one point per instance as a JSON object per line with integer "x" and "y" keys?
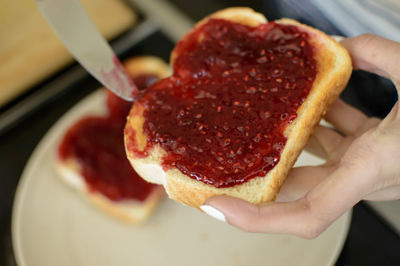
{"x": 375, "y": 54}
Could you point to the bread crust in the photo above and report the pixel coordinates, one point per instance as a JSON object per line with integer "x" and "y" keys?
{"x": 334, "y": 70}
{"x": 128, "y": 211}
{"x": 146, "y": 64}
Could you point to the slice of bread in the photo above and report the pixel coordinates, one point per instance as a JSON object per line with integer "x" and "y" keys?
{"x": 334, "y": 68}
{"x": 127, "y": 210}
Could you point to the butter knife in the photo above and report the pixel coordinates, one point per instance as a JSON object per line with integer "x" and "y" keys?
{"x": 74, "y": 28}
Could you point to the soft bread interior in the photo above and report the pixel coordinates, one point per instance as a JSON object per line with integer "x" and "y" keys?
{"x": 129, "y": 211}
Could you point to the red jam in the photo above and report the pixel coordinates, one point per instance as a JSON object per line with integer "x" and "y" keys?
{"x": 235, "y": 88}
{"x": 98, "y": 146}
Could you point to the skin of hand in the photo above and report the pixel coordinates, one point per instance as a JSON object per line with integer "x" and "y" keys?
{"x": 361, "y": 163}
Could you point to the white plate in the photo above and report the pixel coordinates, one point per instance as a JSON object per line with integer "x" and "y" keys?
{"x": 53, "y": 225}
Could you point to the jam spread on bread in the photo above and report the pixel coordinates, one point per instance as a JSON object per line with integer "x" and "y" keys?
{"x": 97, "y": 144}
{"x": 221, "y": 117}
{"x": 118, "y": 108}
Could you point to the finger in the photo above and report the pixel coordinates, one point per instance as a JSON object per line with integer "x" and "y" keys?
{"x": 328, "y": 139}
{"x": 306, "y": 217}
{"x": 301, "y": 180}
{"x": 386, "y": 194}
{"x": 345, "y": 118}
{"x": 375, "y": 54}
{"x": 328, "y": 144}
{"x": 393, "y": 116}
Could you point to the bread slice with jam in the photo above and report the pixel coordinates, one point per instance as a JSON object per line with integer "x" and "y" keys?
{"x": 243, "y": 100}
{"x": 91, "y": 156}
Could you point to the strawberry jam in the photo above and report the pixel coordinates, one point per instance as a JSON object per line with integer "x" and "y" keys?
{"x": 235, "y": 88}
{"x": 98, "y": 146}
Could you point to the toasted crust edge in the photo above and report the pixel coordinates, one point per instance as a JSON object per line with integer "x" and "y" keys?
{"x": 147, "y": 64}
{"x": 331, "y": 59}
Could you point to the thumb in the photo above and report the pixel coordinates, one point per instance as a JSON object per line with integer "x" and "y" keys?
{"x": 272, "y": 217}
{"x": 306, "y": 217}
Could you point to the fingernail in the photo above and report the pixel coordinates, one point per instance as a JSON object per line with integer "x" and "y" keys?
{"x": 213, "y": 212}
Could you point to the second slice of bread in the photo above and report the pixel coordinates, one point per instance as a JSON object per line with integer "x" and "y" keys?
{"x": 130, "y": 211}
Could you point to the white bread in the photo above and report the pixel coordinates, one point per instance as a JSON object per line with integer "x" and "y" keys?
{"x": 334, "y": 69}
{"x": 129, "y": 211}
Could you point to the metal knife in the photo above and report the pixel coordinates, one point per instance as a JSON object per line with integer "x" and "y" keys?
{"x": 78, "y": 33}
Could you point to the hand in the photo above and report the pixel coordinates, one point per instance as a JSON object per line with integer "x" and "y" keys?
{"x": 361, "y": 163}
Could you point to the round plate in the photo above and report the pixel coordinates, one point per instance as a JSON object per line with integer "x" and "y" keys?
{"x": 54, "y": 225}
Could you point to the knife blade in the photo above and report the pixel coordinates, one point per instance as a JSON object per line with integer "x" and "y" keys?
{"x": 74, "y": 28}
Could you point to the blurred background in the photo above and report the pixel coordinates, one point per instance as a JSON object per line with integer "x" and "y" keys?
{"x": 39, "y": 82}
